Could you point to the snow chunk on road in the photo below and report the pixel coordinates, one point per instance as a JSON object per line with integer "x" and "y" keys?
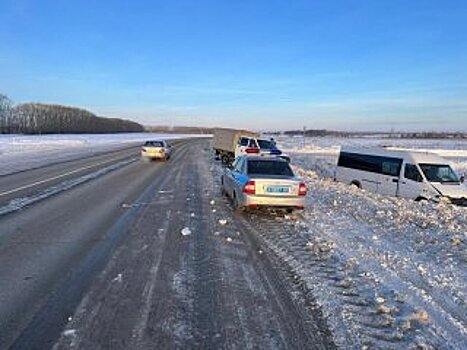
{"x": 223, "y": 222}
{"x": 118, "y": 278}
{"x": 69, "y": 333}
{"x": 186, "y": 231}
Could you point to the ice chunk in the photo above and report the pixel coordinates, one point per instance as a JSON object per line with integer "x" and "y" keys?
{"x": 380, "y": 300}
{"x": 69, "y": 333}
{"x": 118, "y": 278}
{"x": 186, "y": 231}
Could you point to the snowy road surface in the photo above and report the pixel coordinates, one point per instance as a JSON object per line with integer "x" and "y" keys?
{"x": 108, "y": 251}
{"x": 137, "y": 255}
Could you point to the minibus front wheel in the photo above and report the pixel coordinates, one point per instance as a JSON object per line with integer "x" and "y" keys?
{"x": 356, "y": 184}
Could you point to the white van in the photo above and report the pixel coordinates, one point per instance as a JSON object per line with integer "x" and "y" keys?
{"x": 407, "y": 174}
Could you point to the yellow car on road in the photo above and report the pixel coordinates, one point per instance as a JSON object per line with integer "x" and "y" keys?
{"x": 156, "y": 150}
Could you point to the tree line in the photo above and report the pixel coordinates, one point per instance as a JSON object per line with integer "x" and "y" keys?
{"x": 39, "y": 118}
{"x": 317, "y": 133}
{"x": 391, "y": 134}
{"x": 181, "y": 129}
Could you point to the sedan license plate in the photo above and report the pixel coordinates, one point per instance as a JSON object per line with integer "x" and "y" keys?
{"x": 277, "y": 189}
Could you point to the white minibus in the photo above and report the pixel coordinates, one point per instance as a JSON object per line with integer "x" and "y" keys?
{"x": 416, "y": 175}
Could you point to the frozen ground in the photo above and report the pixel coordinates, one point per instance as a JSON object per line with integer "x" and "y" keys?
{"x": 388, "y": 272}
{"x": 21, "y": 152}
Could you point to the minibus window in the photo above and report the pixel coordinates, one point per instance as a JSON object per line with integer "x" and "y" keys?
{"x": 439, "y": 173}
{"x": 375, "y": 164}
{"x": 360, "y": 162}
{"x": 391, "y": 167}
{"x": 411, "y": 172}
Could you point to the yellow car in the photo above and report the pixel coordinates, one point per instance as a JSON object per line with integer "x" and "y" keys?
{"x": 156, "y": 150}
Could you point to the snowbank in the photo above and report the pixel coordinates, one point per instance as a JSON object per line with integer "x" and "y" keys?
{"x": 409, "y": 255}
{"x": 388, "y": 272}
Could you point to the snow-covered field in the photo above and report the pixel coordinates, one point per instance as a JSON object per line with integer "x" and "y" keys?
{"x": 21, "y": 152}
{"x": 391, "y": 272}
{"x": 320, "y": 153}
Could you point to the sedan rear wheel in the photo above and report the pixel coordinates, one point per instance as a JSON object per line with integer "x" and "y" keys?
{"x": 236, "y": 204}
{"x": 224, "y": 192}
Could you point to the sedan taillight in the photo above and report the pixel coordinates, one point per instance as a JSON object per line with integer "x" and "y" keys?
{"x": 252, "y": 150}
{"x": 250, "y": 188}
{"x": 302, "y": 190}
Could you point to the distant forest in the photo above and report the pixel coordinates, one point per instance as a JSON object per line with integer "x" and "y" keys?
{"x": 397, "y": 135}
{"x": 180, "y": 129}
{"x": 39, "y": 118}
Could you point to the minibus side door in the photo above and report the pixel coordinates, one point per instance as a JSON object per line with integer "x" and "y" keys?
{"x": 411, "y": 184}
{"x": 390, "y": 172}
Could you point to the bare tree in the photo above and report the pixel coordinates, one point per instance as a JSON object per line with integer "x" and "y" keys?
{"x": 6, "y": 114}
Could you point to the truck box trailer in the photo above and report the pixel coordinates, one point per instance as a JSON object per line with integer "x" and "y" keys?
{"x": 225, "y": 142}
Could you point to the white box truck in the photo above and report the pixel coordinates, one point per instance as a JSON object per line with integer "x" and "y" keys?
{"x": 228, "y": 143}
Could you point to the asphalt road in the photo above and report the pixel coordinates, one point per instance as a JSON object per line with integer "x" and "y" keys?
{"x": 92, "y": 257}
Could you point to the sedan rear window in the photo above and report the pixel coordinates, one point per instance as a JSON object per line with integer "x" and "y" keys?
{"x": 154, "y": 144}
{"x": 269, "y": 167}
{"x": 265, "y": 144}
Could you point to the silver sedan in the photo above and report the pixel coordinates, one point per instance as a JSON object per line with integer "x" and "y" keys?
{"x": 254, "y": 181}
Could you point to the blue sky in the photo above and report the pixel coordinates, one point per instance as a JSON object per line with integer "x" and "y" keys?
{"x": 346, "y": 65}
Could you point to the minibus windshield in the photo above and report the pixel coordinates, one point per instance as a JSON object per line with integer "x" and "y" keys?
{"x": 439, "y": 173}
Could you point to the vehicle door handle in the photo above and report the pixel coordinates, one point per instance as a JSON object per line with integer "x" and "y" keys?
{"x": 395, "y": 180}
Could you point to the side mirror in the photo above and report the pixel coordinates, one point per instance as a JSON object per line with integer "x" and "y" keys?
{"x": 462, "y": 179}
